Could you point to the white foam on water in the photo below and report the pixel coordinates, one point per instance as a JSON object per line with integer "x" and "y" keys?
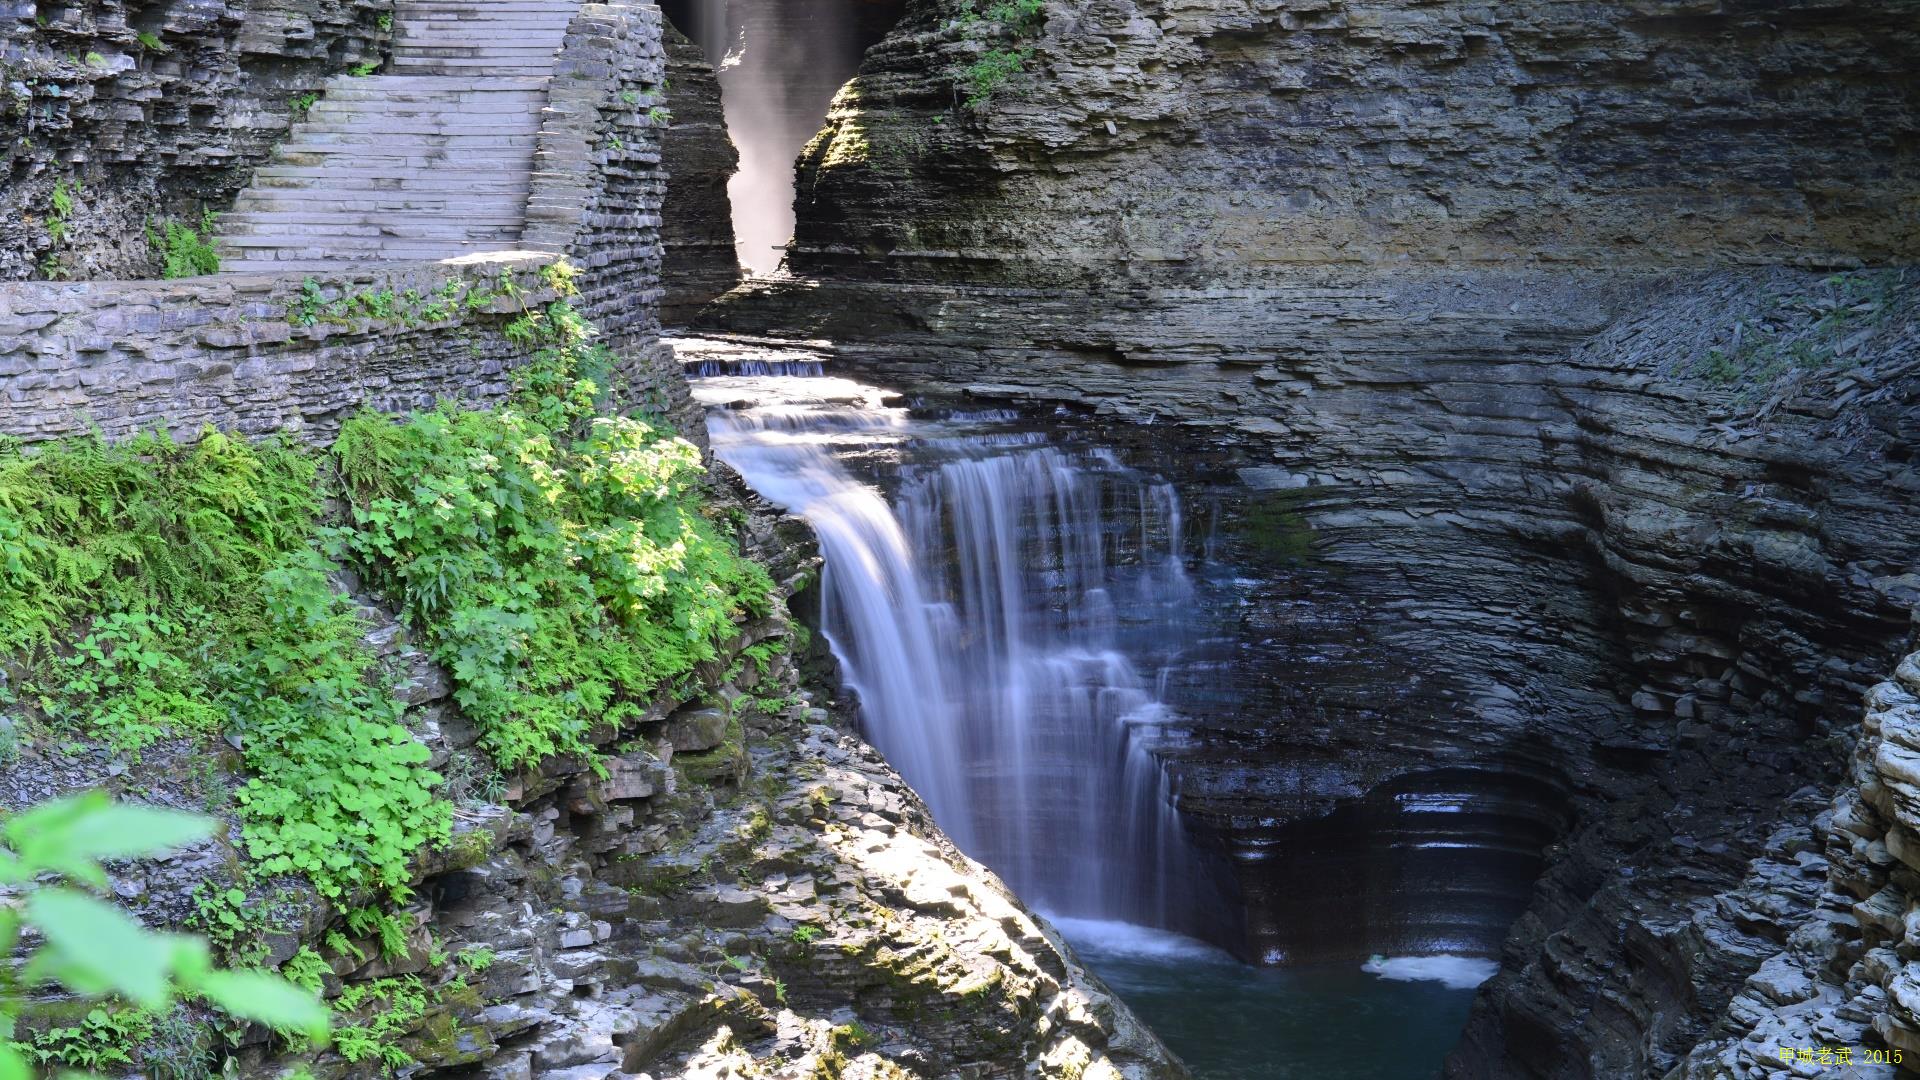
{"x": 1457, "y": 972}
{"x": 1110, "y": 938}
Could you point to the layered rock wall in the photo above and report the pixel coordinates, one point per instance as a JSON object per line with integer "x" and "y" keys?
{"x": 143, "y": 111}
{"x": 1163, "y": 141}
{"x": 697, "y": 231}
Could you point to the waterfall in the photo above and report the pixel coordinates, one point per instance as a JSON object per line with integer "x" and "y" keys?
{"x": 993, "y": 616}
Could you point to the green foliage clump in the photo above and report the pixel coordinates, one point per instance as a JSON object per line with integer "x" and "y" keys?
{"x": 113, "y": 561}
{"x": 386, "y": 1009}
{"x": 1803, "y": 331}
{"x": 553, "y": 558}
{"x": 991, "y": 72}
{"x": 60, "y": 218}
{"x": 146, "y": 525}
{"x": 183, "y": 251}
{"x": 151, "y": 42}
{"x": 1015, "y": 19}
{"x": 339, "y": 791}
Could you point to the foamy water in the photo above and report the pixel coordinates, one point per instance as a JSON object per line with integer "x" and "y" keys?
{"x": 1124, "y": 939}
{"x": 1456, "y": 972}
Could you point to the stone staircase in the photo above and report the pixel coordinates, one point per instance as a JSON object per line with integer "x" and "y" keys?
{"x": 431, "y": 160}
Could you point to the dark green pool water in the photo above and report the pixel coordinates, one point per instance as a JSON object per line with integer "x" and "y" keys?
{"x": 1229, "y": 1021}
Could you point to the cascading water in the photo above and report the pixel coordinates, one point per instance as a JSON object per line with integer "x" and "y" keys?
{"x": 1013, "y": 609}
{"x": 995, "y": 618}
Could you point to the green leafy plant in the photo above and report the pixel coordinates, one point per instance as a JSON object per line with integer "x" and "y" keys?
{"x": 151, "y": 42}
{"x": 306, "y": 969}
{"x": 182, "y": 251}
{"x": 97, "y": 951}
{"x": 180, "y": 1047}
{"x": 60, "y": 221}
{"x": 95, "y": 60}
{"x": 385, "y": 22}
{"x": 554, "y": 559}
{"x": 384, "y": 1010}
{"x": 299, "y": 105}
{"x": 1014, "y": 19}
{"x": 136, "y": 543}
{"x": 989, "y": 73}
{"x": 364, "y": 69}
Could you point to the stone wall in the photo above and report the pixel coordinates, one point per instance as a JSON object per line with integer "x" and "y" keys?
{"x": 136, "y": 129}
{"x": 598, "y": 185}
{"x": 697, "y": 233}
{"x": 256, "y": 354}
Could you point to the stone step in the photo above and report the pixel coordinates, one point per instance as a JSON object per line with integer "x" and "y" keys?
{"x": 377, "y": 124}
{"x": 324, "y": 247}
{"x": 281, "y": 231}
{"x": 483, "y": 105}
{"x": 506, "y": 147}
{"x": 378, "y": 204}
{"x": 453, "y": 50}
{"x": 259, "y": 219}
{"x": 465, "y": 83}
{"x": 455, "y": 65}
{"x": 389, "y": 163}
{"x": 404, "y": 14}
{"x": 503, "y": 30}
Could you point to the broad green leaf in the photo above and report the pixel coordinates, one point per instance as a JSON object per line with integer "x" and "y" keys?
{"x": 94, "y": 946}
{"x": 269, "y": 999}
{"x": 12, "y": 1065}
{"x": 71, "y": 835}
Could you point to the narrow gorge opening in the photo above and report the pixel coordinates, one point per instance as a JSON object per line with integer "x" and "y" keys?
{"x": 778, "y": 66}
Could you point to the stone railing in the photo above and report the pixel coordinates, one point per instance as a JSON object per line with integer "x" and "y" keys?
{"x": 258, "y": 354}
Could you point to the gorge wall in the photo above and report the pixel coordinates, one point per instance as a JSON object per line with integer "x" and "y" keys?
{"x": 699, "y": 159}
{"x": 1478, "y": 323}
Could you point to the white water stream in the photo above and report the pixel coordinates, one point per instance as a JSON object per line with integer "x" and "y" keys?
{"x": 978, "y": 608}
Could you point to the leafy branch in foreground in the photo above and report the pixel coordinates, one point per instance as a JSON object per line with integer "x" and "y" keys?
{"x": 95, "y": 949}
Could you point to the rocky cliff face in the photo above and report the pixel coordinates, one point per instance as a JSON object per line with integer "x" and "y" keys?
{"x": 136, "y": 112}
{"x": 696, "y": 231}
{"x": 1573, "y": 535}
{"x": 1167, "y": 141}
